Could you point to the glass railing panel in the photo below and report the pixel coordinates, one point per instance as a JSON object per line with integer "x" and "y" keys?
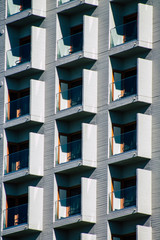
{"x": 123, "y": 143}
{"x": 15, "y": 216}
{"x": 68, "y": 152}
{"x": 69, "y": 45}
{"x": 17, "y": 108}
{"x": 17, "y": 6}
{"x": 123, "y": 33}
{"x": 18, "y": 55}
{"x": 69, "y": 98}
{"x": 68, "y": 207}
{"x": 60, "y": 2}
{"x": 122, "y": 198}
{"x": 16, "y": 161}
{"x": 123, "y": 88}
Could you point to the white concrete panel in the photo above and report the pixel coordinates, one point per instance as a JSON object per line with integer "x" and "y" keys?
{"x": 62, "y": 204}
{"x": 37, "y": 100}
{"x": 36, "y": 154}
{"x": 144, "y": 135}
{"x": 89, "y": 145}
{"x": 63, "y": 149}
{"x": 90, "y": 37}
{"x": 35, "y": 208}
{"x": 116, "y": 140}
{"x": 38, "y": 47}
{"x": 89, "y": 96}
{"x": 144, "y": 191}
{"x": 63, "y": 96}
{"x": 117, "y": 195}
{"x": 144, "y": 79}
{"x": 92, "y": 2}
{"x": 145, "y": 24}
{"x": 116, "y": 86}
{"x": 12, "y": 8}
{"x": 88, "y": 199}
{"x": 85, "y": 236}
{"x": 39, "y": 7}
{"x": 143, "y": 232}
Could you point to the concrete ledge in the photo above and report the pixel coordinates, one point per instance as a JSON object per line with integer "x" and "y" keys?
{"x": 15, "y": 229}
{"x": 129, "y": 48}
{"x": 74, "y": 59}
{"x": 128, "y": 103}
{"x": 20, "y": 122}
{"x": 76, "y": 6}
{"x": 22, "y": 18}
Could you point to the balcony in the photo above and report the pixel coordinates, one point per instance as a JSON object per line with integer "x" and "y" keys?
{"x": 15, "y": 216}
{"x": 78, "y": 209}
{"x": 124, "y": 203}
{"x": 68, "y": 207}
{"x": 77, "y": 154}
{"x": 122, "y": 198}
{"x": 28, "y": 110}
{"x": 123, "y": 143}
{"x": 131, "y": 92}
{"x": 80, "y": 47}
{"x": 75, "y": 6}
{"x": 69, "y": 45}
{"x": 17, "y": 108}
{"x": 136, "y": 232}
{"x": 18, "y": 220}
{"x": 134, "y": 36}
{"x": 123, "y": 88}
{"x": 26, "y": 59}
{"x": 22, "y": 164}
{"x": 79, "y": 100}
{"x": 123, "y": 33}
{"x": 134, "y": 144}
{"x": 26, "y": 10}
{"x": 16, "y": 161}
{"x": 71, "y": 96}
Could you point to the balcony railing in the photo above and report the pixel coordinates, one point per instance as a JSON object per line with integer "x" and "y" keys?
{"x": 69, "y": 45}
{"x": 122, "y": 198}
{"x": 123, "y": 142}
{"x": 123, "y": 88}
{"x": 123, "y": 33}
{"x": 68, "y": 207}
{"x": 69, "y": 98}
{"x": 60, "y": 2}
{"x": 16, "y": 161}
{"x": 18, "y": 6}
{"x": 18, "y": 55}
{"x": 17, "y": 108}
{"x": 15, "y": 216}
{"x": 68, "y": 152}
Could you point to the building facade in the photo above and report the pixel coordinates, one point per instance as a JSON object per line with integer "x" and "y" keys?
{"x": 79, "y": 119}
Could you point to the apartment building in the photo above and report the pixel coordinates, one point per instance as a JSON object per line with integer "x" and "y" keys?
{"x": 79, "y": 119}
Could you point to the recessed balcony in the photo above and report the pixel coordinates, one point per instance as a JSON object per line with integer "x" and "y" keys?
{"x": 77, "y": 209}
{"x": 75, "y": 154}
{"x": 135, "y": 34}
{"x": 138, "y": 232}
{"x": 26, "y": 59}
{"x": 79, "y": 46}
{"x": 77, "y": 97}
{"x": 24, "y": 213}
{"x": 130, "y": 92}
{"x": 28, "y": 109}
{"x": 26, "y": 10}
{"x": 22, "y": 163}
{"x": 131, "y": 141}
{"x": 125, "y": 202}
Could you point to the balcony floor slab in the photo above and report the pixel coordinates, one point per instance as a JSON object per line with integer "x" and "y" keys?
{"x": 18, "y": 231}
{"x": 22, "y": 18}
{"x": 129, "y": 49}
{"x": 125, "y": 214}
{"x": 125, "y": 158}
{"x": 128, "y": 103}
{"x": 75, "y": 6}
